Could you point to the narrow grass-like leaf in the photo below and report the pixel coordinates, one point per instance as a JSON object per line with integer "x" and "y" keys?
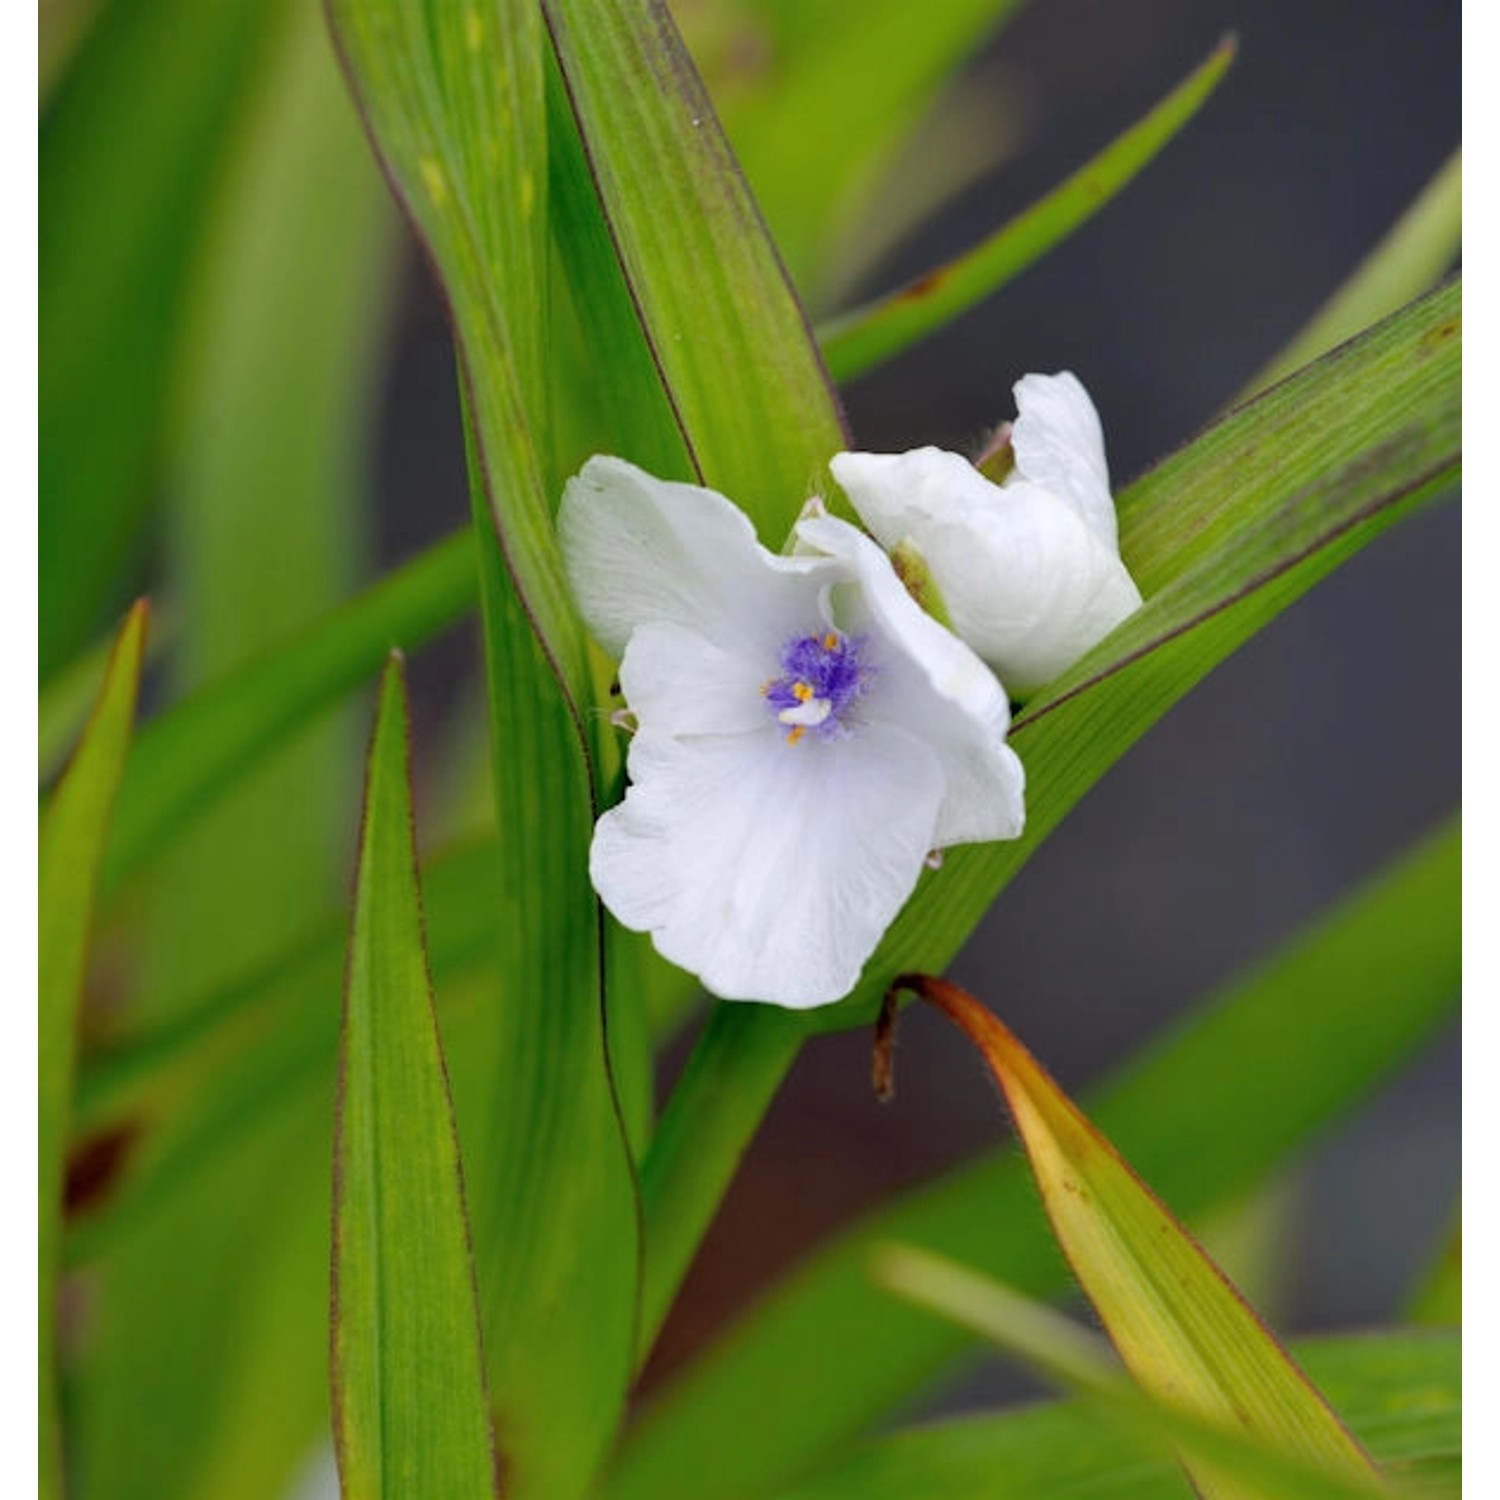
{"x": 1418, "y": 248}
{"x": 410, "y": 1410}
{"x": 190, "y": 755}
{"x": 1205, "y": 1112}
{"x": 1438, "y": 1297}
{"x": 859, "y": 340}
{"x": 1401, "y": 1394}
{"x": 1320, "y": 464}
{"x": 727, "y": 334}
{"x": 453, "y": 100}
{"x": 273, "y": 404}
{"x": 557, "y": 1220}
{"x": 128, "y": 149}
{"x": 1244, "y": 1464}
{"x": 71, "y": 850}
{"x": 278, "y": 364}
{"x": 816, "y": 100}
{"x": 1185, "y": 1333}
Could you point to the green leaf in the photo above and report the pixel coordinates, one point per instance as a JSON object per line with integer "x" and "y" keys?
{"x": 1400, "y": 1392}
{"x": 130, "y": 144}
{"x": 817, "y": 101}
{"x": 273, "y": 403}
{"x": 1320, "y": 465}
{"x": 1204, "y": 1112}
{"x": 71, "y": 849}
{"x": 1439, "y": 1296}
{"x": 190, "y": 756}
{"x": 454, "y": 103}
{"x": 65, "y": 699}
{"x": 559, "y": 1183}
{"x": 727, "y": 334}
{"x": 1222, "y": 1460}
{"x": 1186, "y": 1335}
{"x": 859, "y": 340}
{"x": 1418, "y": 248}
{"x": 410, "y": 1409}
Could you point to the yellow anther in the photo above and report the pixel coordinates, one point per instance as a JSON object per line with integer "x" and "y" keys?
{"x": 795, "y": 733}
{"x": 801, "y": 692}
{"x": 830, "y": 641}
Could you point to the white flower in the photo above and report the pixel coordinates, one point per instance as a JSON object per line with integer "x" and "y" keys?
{"x": 1029, "y": 570}
{"x": 806, "y": 736}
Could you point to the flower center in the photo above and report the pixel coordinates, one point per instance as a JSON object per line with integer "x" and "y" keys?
{"x": 821, "y": 677}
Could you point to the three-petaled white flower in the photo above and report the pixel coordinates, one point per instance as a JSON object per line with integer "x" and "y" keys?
{"x": 806, "y": 735}
{"x": 1029, "y": 570}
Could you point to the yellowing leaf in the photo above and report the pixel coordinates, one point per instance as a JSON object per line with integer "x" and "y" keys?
{"x": 1185, "y": 1334}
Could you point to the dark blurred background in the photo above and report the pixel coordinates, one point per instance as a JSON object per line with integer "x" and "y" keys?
{"x": 1322, "y": 749}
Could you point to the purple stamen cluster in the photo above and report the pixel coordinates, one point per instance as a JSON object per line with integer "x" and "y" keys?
{"x": 818, "y": 670}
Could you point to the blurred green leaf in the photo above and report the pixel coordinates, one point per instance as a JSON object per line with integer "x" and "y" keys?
{"x": 817, "y": 101}
{"x": 71, "y": 849}
{"x": 1225, "y": 1462}
{"x": 859, "y": 340}
{"x": 1439, "y": 1296}
{"x": 64, "y": 702}
{"x": 1205, "y": 1111}
{"x": 1401, "y": 1393}
{"x": 210, "y": 1328}
{"x": 1186, "y": 1335}
{"x": 273, "y": 404}
{"x": 1221, "y": 537}
{"x": 728, "y": 337}
{"x": 129, "y": 147}
{"x": 410, "y": 1408}
{"x": 188, "y": 757}
{"x": 1418, "y": 248}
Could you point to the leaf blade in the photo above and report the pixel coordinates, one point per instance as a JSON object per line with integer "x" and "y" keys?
{"x": 868, "y": 336}
{"x": 1401, "y": 1393}
{"x": 1185, "y": 1333}
{"x": 71, "y": 851}
{"x": 730, "y": 341}
{"x": 406, "y": 1359}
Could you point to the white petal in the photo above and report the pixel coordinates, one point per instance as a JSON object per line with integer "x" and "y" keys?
{"x": 676, "y": 682}
{"x": 1028, "y": 583}
{"x": 896, "y": 494}
{"x": 932, "y": 684}
{"x": 1059, "y": 444}
{"x": 768, "y": 869}
{"x": 640, "y": 549}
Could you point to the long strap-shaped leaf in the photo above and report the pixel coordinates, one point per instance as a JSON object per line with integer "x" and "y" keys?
{"x": 730, "y": 340}
{"x": 867, "y": 336}
{"x": 558, "y": 1222}
{"x": 454, "y": 99}
{"x": 1222, "y": 536}
{"x": 1205, "y": 1111}
{"x": 1401, "y": 1394}
{"x": 71, "y": 852}
{"x": 187, "y": 757}
{"x": 411, "y": 1415}
{"x": 1184, "y": 1332}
